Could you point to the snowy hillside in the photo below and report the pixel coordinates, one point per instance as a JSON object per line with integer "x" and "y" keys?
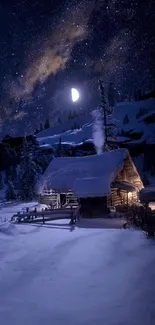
{"x": 83, "y": 131}
{"x": 132, "y": 109}
{"x": 63, "y": 127}
{"x": 75, "y": 136}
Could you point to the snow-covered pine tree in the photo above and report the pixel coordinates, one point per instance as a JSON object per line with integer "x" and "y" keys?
{"x": 10, "y": 193}
{"x": 27, "y": 175}
{"x": 126, "y": 119}
{"x": 47, "y": 124}
{"x": 108, "y": 120}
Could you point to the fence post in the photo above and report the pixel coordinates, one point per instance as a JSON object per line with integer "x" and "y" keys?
{"x": 43, "y": 219}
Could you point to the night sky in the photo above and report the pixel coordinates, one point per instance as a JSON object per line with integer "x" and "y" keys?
{"x": 50, "y": 46}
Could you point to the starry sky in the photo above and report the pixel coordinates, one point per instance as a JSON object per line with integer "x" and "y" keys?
{"x": 47, "y": 47}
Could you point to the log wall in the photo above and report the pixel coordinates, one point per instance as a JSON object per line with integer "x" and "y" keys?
{"x": 51, "y": 200}
{"x": 129, "y": 174}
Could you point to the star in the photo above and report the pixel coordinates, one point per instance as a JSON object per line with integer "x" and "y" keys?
{"x": 46, "y": 48}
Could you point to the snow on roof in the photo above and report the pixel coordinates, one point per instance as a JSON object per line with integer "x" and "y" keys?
{"x": 147, "y": 194}
{"x": 92, "y": 187}
{"x": 63, "y": 172}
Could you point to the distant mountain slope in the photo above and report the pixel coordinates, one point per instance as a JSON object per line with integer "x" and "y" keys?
{"x": 79, "y": 129}
{"x": 63, "y": 127}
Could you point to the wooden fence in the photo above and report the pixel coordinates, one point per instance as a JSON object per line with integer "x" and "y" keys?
{"x": 42, "y": 216}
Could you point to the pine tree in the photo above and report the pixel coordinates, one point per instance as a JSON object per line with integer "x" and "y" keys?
{"x": 142, "y": 112}
{"x": 108, "y": 120}
{"x": 41, "y": 127}
{"x": 7, "y": 175}
{"x": 27, "y": 175}
{"x": 126, "y": 119}
{"x": 130, "y": 96}
{"x": 13, "y": 173}
{"x": 10, "y": 193}
{"x": 42, "y": 161}
{"x": 47, "y": 124}
{"x": 122, "y": 133}
{"x": 1, "y": 181}
{"x": 36, "y": 131}
{"x": 111, "y": 95}
{"x": 58, "y": 151}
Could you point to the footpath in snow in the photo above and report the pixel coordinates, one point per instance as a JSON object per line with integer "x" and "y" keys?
{"x": 56, "y": 274}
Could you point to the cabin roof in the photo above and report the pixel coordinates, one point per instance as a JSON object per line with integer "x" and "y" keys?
{"x": 66, "y": 173}
{"x": 92, "y": 187}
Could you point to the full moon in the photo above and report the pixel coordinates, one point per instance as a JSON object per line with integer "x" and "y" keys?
{"x": 75, "y": 94}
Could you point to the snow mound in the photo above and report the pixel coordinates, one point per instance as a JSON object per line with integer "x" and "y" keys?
{"x": 38, "y": 206}
{"x": 41, "y": 207}
{"x": 8, "y": 229}
{"x": 147, "y": 194}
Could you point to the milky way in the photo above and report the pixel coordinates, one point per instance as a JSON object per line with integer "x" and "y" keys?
{"x": 48, "y": 48}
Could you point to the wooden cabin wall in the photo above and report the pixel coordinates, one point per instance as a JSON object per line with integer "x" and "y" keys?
{"x": 45, "y": 199}
{"x": 117, "y": 197}
{"x": 56, "y": 199}
{"x": 51, "y": 200}
{"x": 129, "y": 174}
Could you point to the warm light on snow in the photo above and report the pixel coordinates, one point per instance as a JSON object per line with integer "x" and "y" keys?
{"x": 129, "y": 195}
{"x": 75, "y": 94}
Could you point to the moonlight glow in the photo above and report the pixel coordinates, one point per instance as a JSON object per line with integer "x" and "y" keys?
{"x": 75, "y": 94}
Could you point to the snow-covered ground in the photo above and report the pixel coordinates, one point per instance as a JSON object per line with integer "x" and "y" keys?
{"x": 52, "y": 275}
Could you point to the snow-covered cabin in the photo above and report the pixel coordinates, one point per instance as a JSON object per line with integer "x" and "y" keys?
{"x": 111, "y": 178}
